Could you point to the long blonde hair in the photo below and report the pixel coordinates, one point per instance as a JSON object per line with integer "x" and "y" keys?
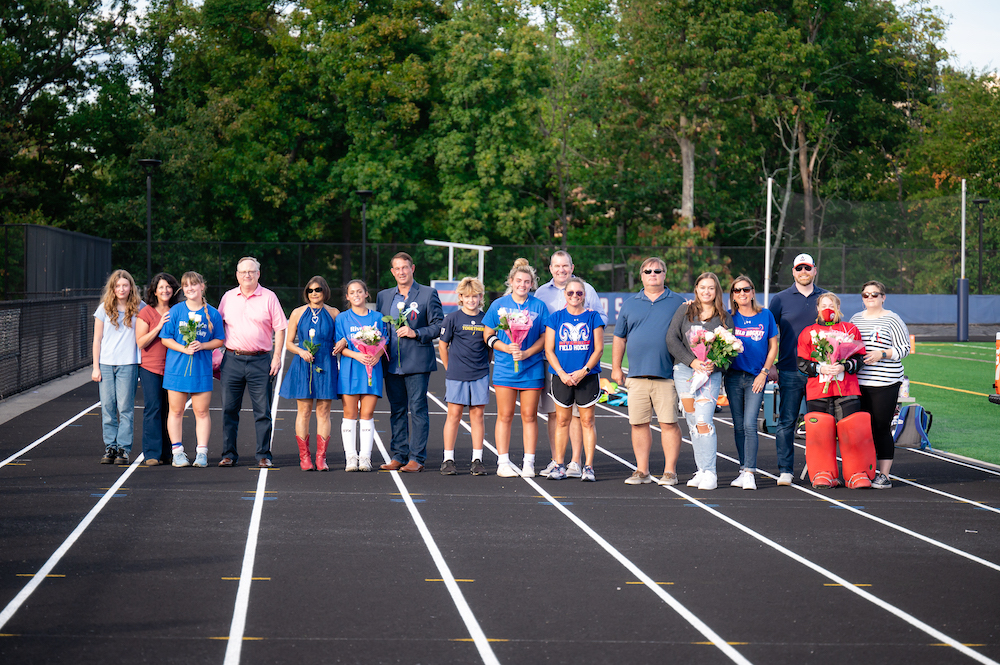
{"x": 192, "y": 277}
{"x": 521, "y": 265}
{"x": 110, "y": 300}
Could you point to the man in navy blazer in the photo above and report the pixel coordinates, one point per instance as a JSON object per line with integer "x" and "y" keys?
{"x": 411, "y": 361}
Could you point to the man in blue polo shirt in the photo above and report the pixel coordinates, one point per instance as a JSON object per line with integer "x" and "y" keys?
{"x": 643, "y": 323}
{"x": 794, "y": 309}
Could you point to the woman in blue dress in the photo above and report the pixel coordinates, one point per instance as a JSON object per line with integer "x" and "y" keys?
{"x": 188, "y": 371}
{"x": 312, "y": 377}
{"x": 360, "y": 380}
{"x": 517, "y": 368}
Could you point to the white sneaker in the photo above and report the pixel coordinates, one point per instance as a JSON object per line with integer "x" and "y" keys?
{"x": 364, "y": 464}
{"x": 709, "y": 481}
{"x": 507, "y": 471}
{"x": 545, "y": 472}
{"x": 785, "y": 479}
{"x": 352, "y": 463}
{"x": 573, "y": 470}
{"x": 695, "y": 479}
{"x": 528, "y": 471}
{"x": 738, "y": 481}
{"x": 180, "y": 460}
{"x": 749, "y": 481}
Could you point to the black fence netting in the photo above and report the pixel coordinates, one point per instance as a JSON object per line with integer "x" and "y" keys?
{"x": 43, "y": 339}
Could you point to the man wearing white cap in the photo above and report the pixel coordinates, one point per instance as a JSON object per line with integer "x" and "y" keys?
{"x": 794, "y": 309}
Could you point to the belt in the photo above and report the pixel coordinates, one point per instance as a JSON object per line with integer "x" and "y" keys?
{"x": 246, "y": 353}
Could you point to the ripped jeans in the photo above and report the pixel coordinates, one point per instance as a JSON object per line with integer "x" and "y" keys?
{"x": 701, "y": 414}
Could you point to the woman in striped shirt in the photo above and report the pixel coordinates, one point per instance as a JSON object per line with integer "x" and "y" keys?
{"x": 887, "y": 342}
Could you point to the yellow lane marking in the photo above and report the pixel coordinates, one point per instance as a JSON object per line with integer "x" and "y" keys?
{"x": 539, "y": 496}
{"x": 33, "y": 574}
{"x": 964, "y": 644}
{"x": 226, "y": 638}
{"x": 19, "y": 634}
{"x": 252, "y": 579}
{"x": 469, "y": 639}
{"x": 265, "y": 491}
{"x": 399, "y": 494}
{"x": 734, "y": 644}
{"x": 843, "y": 585}
{"x": 123, "y": 489}
{"x": 16, "y": 464}
{"x": 257, "y": 468}
{"x": 433, "y": 579}
{"x": 957, "y": 390}
{"x": 660, "y": 583}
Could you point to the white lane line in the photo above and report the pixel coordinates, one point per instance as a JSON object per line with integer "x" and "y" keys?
{"x": 952, "y": 461}
{"x": 685, "y": 613}
{"x": 49, "y": 435}
{"x": 471, "y": 624}
{"x": 36, "y": 580}
{"x": 236, "y": 629}
{"x": 861, "y": 513}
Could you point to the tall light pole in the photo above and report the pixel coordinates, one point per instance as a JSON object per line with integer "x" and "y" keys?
{"x": 981, "y": 203}
{"x": 364, "y": 194}
{"x": 149, "y": 165}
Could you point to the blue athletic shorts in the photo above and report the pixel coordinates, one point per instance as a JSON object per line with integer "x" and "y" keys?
{"x": 468, "y": 393}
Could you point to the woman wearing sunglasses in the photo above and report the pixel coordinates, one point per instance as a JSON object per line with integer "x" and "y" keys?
{"x": 747, "y": 376}
{"x": 887, "y": 342}
{"x": 312, "y": 375}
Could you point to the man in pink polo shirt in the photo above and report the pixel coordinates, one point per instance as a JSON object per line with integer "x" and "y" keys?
{"x": 255, "y": 324}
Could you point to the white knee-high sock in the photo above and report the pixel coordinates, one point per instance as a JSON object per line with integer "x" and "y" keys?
{"x": 367, "y": 437}
{"x": 347, "y": 429}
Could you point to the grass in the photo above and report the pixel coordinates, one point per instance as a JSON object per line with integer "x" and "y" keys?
{"x": 964, "y": 423}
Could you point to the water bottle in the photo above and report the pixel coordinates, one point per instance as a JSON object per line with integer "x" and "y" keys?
{"x": 904, "y": 390}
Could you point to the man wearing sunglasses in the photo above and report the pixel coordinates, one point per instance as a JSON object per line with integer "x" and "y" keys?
{"x": 553, "y": 294}
{"x": 643, "y": 323}
{"x": 795, "y": 310}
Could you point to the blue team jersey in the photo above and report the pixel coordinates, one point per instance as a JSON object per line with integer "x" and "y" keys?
{"x": 530, "y": 374}
{"x": 353, "y": 377}
{"x": 184, "y": 373}
{"x": 755, "y": 332}
{"x": 574, "y": 339}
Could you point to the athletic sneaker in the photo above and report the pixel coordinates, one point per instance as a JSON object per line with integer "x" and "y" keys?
{"x": 477, "y": 468}
{"x": 573, "y": 470}
{"x": 709, "y": 481}
{"x": 109, "y": 456}
{"x": 638, "y": 478}
{"x": 448, "y": 468}
{"x": 352, "y": 463}
{"x": 528, "y": 470}
{"x": 785, "y": 479}
{"x": 200, "y": 460}
{"x": 881, "y": 482}
{"x": 749, "y": 481}
{"x": 547, "y": 470}
{"x": 180, "y": 460}
{"x": 588, "y": 474}
{"x": 364, "y": 464}
{"x": 695, "y": 479}
{"x": 507, "y": 471}
{"x": 669, "y": 478}
{"x": 121, "y": 457}
{"x": 557, "y": 473}
{"x": 738, "y": 480}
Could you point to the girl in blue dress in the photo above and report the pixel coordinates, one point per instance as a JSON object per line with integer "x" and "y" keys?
{"x": 526, "y": 380}
{"x": 312, "y": 377}
{"x": 358, "y": 395}
{"x": 188, "y": 372}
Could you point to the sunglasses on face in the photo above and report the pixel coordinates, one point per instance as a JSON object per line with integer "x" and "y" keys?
{"x": 801, "y": 268}
{"x": 742, "y": 289}
{"x": 655, "y": 271}
{"x": 574, "y": 293}
{"x": 314, "y": 290}
{"x": 872, "y": 295}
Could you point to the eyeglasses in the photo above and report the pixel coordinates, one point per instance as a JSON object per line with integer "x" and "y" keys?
{"x": 872, "y": 295}
{"x": 241, "y": 273}
{"x": 742, "y": 289}
{"x": 803, "y": 267}
{"x": 317, "y": 289}
{"x": 655, "y": 271}
{"x": 574, "y": 293}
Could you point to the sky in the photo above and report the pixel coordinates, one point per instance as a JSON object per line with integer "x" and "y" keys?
{"x": 972, "y": 35}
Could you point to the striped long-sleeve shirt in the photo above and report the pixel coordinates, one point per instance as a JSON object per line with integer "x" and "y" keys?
{"x": 886, "y": 333}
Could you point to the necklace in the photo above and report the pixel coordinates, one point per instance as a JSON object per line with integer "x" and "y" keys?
{"x": 315, "y": 315}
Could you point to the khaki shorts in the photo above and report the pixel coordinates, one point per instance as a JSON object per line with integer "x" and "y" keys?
{"x": 546, "y": 404}
{"x": 645, "y": 395}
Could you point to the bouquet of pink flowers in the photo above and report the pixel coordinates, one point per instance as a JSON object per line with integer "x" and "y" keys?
{"x": 832, "y": 346}
{"x": 719, "y": 346}
{"x": 517, "y": 323}
{"x": 369, "y": 341}
{"x": 189, "y": 332}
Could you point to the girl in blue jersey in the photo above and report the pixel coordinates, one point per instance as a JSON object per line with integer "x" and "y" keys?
{"x": 517, "y": 368}
{"x": 358, "y": 396}
{"x": 312, "y": 377}
{"x": 574, "y": 343}
{"x": 188, "y": 371}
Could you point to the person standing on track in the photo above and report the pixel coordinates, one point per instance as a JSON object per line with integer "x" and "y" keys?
{"x": 551, "y": 293}
{"x": 411, "y": 361}
{"x": 116, "y": 364}
{"x": 887, "y": 341}
{"x": 643, "y": 323}
{"x": 794, "y": 309}
{"x": 255, "y": 324}
{"x": 466, "y": 360}
{"x": 163, "y": 293}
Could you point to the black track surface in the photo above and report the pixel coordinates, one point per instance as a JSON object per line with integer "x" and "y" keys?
{"x": 342, "y": 574}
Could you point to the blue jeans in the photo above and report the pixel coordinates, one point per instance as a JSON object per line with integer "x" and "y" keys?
{"x": 706, "y": 443}
{"x": 117, "y": 391}
{"x": 744, "y": 404}
{"x": 408, "y": 392}
{"x": 239, "y": 374}
{"x": 791, "y": 388}
{"x": 155, "y": 440}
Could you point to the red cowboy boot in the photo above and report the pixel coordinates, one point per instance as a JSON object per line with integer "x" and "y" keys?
{"x": 321, "y": 443}
{"x": 304, "y": 462}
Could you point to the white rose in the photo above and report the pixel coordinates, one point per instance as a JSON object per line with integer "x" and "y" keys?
{"x": 192, "y": 315}
{"x": 312, "y": 333}
{"x": 709, "y": 337}
{"x": 400, "y": 306}
{"x": 502, "y": 311}
{"x": 196, "y": 317}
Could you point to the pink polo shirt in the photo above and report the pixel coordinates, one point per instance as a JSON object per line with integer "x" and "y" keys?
{"x": 251, "y": 321}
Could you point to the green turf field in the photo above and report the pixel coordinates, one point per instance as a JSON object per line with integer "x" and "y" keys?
{"x": 951, "y": 381}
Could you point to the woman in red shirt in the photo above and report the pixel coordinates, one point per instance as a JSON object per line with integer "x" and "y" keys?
{"x": 162, "y": 293}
